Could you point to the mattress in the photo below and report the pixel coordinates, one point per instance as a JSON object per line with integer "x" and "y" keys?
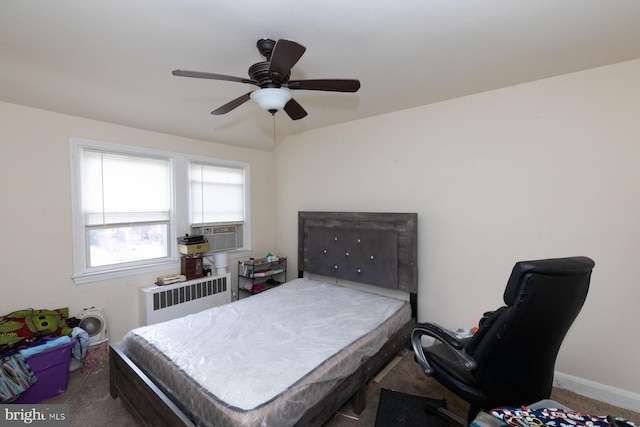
{"x": 265, "y": 360}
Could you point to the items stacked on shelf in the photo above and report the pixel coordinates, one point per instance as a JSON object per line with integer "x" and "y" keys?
{"x": 257, "y": 275}
{"x": 192, "y": 249}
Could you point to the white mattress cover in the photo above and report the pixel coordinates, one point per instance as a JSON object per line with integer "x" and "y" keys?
{"x": 248, "y": 352}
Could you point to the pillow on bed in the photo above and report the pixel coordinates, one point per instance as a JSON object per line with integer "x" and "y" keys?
{"x": 30, "y": 323}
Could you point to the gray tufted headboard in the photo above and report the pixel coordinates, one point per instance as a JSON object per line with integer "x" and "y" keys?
{"x": 366, "y": 247}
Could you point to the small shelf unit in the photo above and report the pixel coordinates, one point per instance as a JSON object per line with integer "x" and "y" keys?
{"x": 261, "y": 274}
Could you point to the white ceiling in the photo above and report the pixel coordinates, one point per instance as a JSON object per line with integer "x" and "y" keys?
{"x": 111, "y": 60}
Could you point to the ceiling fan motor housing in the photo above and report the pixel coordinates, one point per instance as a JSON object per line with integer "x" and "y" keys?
{"x": 260, "y": 73}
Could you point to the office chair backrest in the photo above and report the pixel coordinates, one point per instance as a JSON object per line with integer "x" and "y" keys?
{"x": 516, "y": 346}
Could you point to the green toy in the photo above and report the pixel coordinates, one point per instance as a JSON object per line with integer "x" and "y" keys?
{"x": 30, "y": 323}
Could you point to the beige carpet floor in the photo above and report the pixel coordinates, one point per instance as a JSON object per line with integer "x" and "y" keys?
{"x": 91, "y": 404}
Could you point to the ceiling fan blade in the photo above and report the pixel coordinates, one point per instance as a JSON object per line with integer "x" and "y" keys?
{"x": 331, "y": 85}
{"x": 212, "y": 76}
{"x": 284, "y": 56}
{"x": 294, "y": 110}
{"x": 231, "y": 105}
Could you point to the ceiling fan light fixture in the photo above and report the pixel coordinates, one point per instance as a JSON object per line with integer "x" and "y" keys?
{"x": 271, "y": 99}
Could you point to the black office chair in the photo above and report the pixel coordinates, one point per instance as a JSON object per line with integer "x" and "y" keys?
{"x": 511, "y": 358}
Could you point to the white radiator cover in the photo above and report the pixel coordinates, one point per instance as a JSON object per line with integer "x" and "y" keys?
{"x": 161, "y": 303}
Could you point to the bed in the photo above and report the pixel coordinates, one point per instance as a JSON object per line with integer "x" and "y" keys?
{"x": 292, "y": 355}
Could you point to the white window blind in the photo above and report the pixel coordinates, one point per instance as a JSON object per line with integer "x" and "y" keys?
{"x": 121, "y": 189}
{"x": 125, "y": 208}
{"x": 217, "y": 194}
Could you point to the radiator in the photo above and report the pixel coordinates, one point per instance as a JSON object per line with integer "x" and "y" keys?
{"x": 160, "y": 303}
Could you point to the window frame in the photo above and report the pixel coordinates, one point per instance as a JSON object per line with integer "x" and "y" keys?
{"x": 179, "y": 218}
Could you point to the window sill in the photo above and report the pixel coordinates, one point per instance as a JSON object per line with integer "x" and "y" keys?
{"x": 81, "y": 279}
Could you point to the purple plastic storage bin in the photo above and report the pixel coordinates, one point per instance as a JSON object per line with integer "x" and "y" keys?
{"x": 51, "y": 366}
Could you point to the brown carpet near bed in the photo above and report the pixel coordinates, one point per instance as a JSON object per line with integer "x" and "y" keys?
{"x": 91, "y": 404}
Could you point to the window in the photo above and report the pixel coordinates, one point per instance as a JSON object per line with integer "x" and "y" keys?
{"x": 217, "y": 194}
{"x": 126, "y": 206}
{"x": 129, "y": 204}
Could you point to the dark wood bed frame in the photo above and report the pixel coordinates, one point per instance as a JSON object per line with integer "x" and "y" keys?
{"x": 354, "y": 246}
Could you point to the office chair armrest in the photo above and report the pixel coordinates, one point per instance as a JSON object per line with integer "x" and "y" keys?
{"x": 443, "y": 335}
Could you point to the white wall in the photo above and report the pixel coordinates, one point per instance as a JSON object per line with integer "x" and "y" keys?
{"x": 545, "y": 169}
{"x": 35, "y": 213}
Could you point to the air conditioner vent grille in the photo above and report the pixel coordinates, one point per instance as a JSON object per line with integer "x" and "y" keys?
{"x": 222, "y": 237}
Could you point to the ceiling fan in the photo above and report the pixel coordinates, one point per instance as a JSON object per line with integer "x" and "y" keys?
{"x": 272, "y": 77}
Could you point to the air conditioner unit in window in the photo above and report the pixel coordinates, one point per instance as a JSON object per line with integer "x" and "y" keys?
{"x": 222, "y": 237}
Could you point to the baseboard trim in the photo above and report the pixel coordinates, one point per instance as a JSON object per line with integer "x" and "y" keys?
{"x": 614, "y": 396}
